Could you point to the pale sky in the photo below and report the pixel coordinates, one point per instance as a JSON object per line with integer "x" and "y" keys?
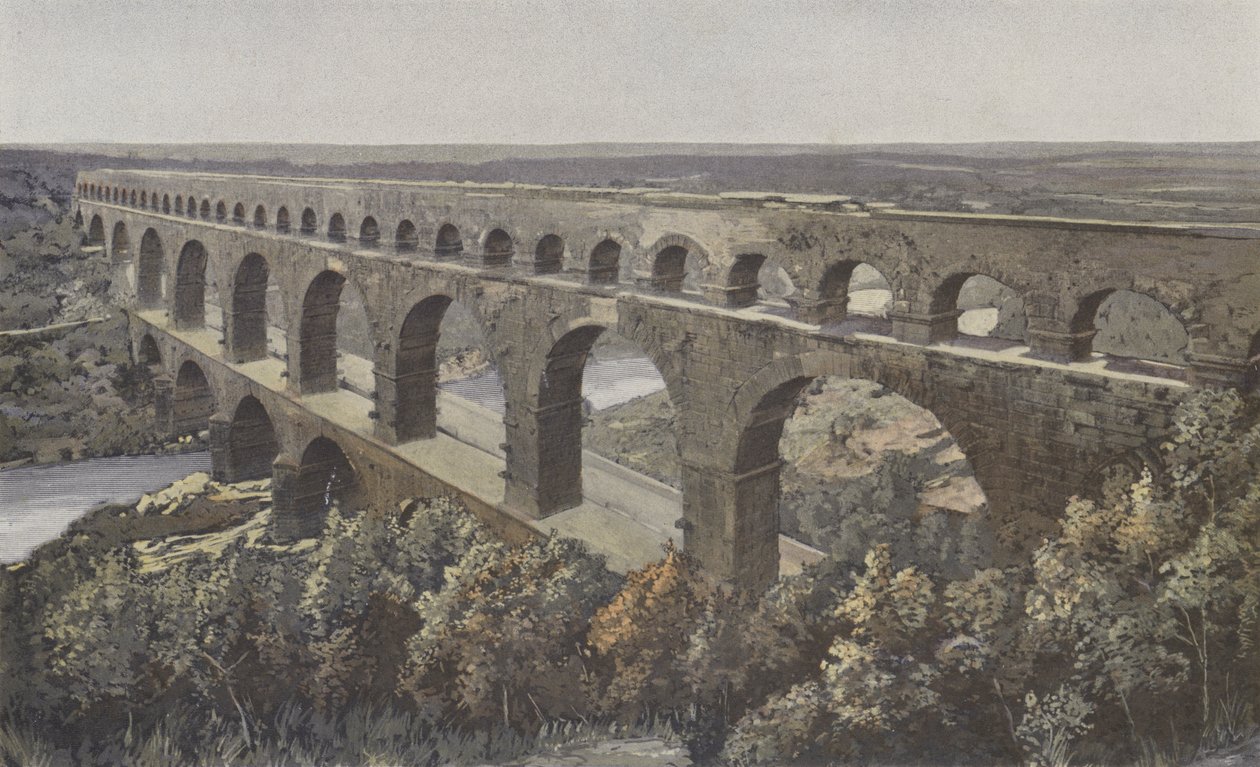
{"x": 476, "y": 71}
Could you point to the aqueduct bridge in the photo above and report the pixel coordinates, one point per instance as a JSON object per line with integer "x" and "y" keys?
{"x": 547, "y": 269}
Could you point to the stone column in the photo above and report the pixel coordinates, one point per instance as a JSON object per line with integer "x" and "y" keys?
{"x": 544, "y": 459}
{"x": 245, "y": 331}
{"x": 285, "y": 522}
{"x": 220, "y": 434}
{"x": 406, "y": 405}
{"x": 924, "y": 329}
{"x": 731, "y": 522}
{"x": 163, "y": 405}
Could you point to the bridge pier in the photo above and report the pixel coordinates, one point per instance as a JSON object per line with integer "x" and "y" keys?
{"x": 398, "y": 422}
{"x": 1059, "y": 346}
{"x": 245, "y": 331}
{"x": 287, "y": 524}
{"x": 544, "y": 458}
{"x": 817, "y": 310}
{"x": 924, "y": 329}
{"x": 730, "y": 521}
{"x": 220, "y": 434}
{"x": 163, "y": 396}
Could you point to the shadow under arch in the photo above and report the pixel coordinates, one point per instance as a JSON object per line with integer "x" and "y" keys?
{"x": 251, "y": 441}
{"x": 192, "y": 401}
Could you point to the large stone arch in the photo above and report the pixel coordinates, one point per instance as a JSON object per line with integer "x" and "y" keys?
{"x": 189, "y": 306}
{"x": 1081, "y": 310}
{"x": 151, "y": 270}
{"x": 193, "y": 400}
{"x": 251, "y": 444}
{"x": 415, "y": 378}
{"x": 245, "y": 319}
{"x": 664, "y": 265}
{"x": 303, "y": 491}
{"x": 96, "y": 230}
{"x": 316, "y": 332}
{"x": 497, "y": 245}
{"x": 448, "y": 243}
{"x": 732, "y": 507}
{"x": 120, "y": 244}
{"x": 943, "y": 306}
{"x": 545, "y": 464}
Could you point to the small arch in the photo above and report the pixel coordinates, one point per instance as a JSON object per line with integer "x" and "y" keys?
{"x": 120, "y": 246}
{"x": 549, "y": 254}
{"x": 337, "y": 228}
{"x": 192, "y": 401}
{"x": 238, "y": 214}
{"x": 416, "y": 358}
{"x": 282, "y": 220}
{"x": 153, "y": 200}
{"x": 406, "y": 238}
{"x": 1128, "y": 325}
{"x": 96, "y": 231}
{"x": 260, "y": 217}
{"x": 774, "y": 284}
{"x": 149, "y": 354}
{"x": 991, "y": 309}
{"x": 220, "y": 211}
{"x": 133, "y": 198}
{"x": 369, "y": 232}
{"x": 853, "y": 288}
{"x": 309, "y": 222}
{"x": 151, "y": 271}
{"x": 115, "y": 194}
{"x": 192, "y": 206}
{"x": 251, "y": 441}
{"x": 144, "y": 199}
{"x": 605, "y": 262}
{"x": 448, "y": 243}
{"x": 179, "y": 205}
{"x": 166, "y": 203}
{"x": 205, "y": 209}
{"x": 190, "y": 286}
{"x": 497, "y": 249}
{"x": 742, "y": 280}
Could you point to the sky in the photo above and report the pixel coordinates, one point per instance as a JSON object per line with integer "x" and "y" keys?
{"x": 775, "y": 71}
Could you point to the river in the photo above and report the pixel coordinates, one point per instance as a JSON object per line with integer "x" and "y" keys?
{"x": 38, "y": 502}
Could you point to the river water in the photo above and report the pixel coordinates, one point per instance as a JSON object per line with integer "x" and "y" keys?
{"x": 38, "y": 502}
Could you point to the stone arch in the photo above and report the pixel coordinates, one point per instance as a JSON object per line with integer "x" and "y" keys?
{"x": 120, "y": 244}
{"x": 282, "y": 220}
{"x": 153, "y": 200}
{"x": 205, "y": 209}
{"x": 149, "y": 354}
{"x": 166, "y": 203}
{"x": 238, "y": 214}
{"x": 190, "y": 286}
{"x": 133, "y": 198}
{"x": 742, "y": 283}
{"x": 246, "y": 318}
{"x": 251, "y": 441}
{"x": 838, "y": 284}
{"x": 324, "y": 476}
{"x": 748, "y": 455}
{"x": 676, "y": 260}
{"x": 448, "y": 243}
{"x": 964, "y": 292}
{"x": 548, "y": 254}
{"x": 144, "y": 199}
{"x": 337, "y": 228}
{"x": 115, "y": 189}
{"x": 220, "y": 211}
{"x": 1124, "y": 341}
{"x": 192, "y": 206}
{"x": 555, "y": 394}
{"x": 309, "y": 222}
{"x": 192, "y": 400}
{"x": 96, "y": 230}
{"x": 604, "y": 263}
{"x": 406, "y": 238}
{"x": 317, "y": 332}
{"x": 260, "y": 217}
{"x": 151, "y": 271}
{"x": 497, "y": 247}
{"x": 179, "y": 204}
{"x": 416, "y": 369}
{"x": 369, "y": 232}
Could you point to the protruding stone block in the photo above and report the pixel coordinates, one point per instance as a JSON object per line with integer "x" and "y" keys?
{"x": 924, "y": 329}
{"x": 1061, "y": 347}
